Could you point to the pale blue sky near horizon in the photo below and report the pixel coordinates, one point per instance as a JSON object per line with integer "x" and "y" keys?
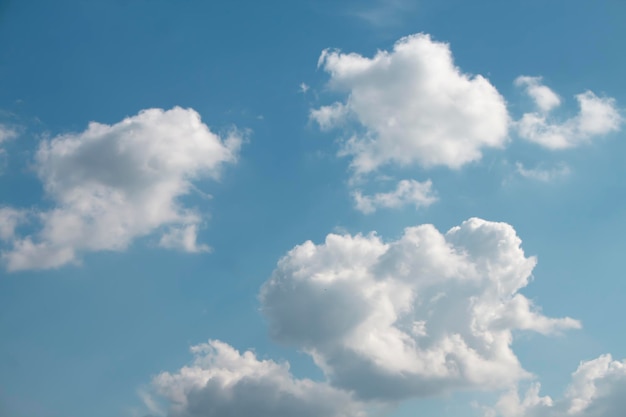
{"x": 81, "y": 340}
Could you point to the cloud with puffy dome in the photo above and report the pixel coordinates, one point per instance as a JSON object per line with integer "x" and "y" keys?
{"x": 417, "y": 316}
{"x": 411, "y": 105}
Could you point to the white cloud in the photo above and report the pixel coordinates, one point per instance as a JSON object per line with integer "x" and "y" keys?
{"x": 328, "y": 117}
{"x": 412, "y": 106}
{"x": 597, "y": 116}
{"x": 9, "y": 220}
{"x": 544, "y": 97}
{"x": 183, "y": 238}
{"x": 543, "y": 174}
{"x": 221, "y": 382}
{"x": 420, "y": 194}
{"x": 150, "y": 403}
{"x": 510, "y": 404}
{"x": 303, "y": 88}
{"x": 111, "y": 184}
{"x": 598, "y": 389}
{"x": 6, "y": 133}
{"x": 383, "y": 12}
{"x": 418, "y": 316}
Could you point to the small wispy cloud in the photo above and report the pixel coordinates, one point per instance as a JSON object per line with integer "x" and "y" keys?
{"x": 383, "y": 12}
{"x": 151, "y": 403}
{"x": 407, "y": 192}
{"x": 561, "y": 170}
{"x": 543, "y": 96}
{"x": 598, "y": 116}
{"x": 7, "y": 133}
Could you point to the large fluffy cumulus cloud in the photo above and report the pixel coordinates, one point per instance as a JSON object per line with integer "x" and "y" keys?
{"x": 111, "y": 184}
{"x": 221, "y": 382}
{"x": 417, "y": 316}
{"x": 412, "y": 105}
{"x": 597, "y": 389}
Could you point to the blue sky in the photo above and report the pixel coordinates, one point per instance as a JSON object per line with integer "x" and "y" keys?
{"x": 228, "y": 134}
